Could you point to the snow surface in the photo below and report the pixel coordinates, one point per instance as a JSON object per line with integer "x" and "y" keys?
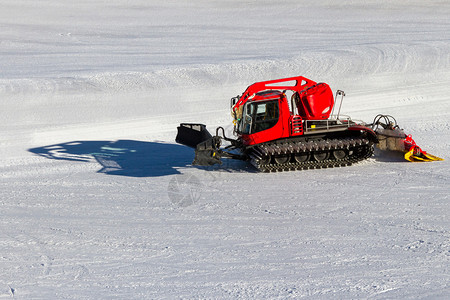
{"x": 97, "y": 200}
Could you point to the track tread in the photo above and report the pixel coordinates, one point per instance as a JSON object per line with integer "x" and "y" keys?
{"x": 362, "y": 147}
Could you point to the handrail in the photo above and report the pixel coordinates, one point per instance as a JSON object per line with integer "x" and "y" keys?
{"x": 326, "y": 124}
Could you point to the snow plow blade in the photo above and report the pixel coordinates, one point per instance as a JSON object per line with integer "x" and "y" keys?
{"x": 192, "y": 134}
{"x": 208, "y": 152}
{"x": 207, "y": 147}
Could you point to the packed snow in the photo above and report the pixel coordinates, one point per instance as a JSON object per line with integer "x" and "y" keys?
{"x": 99, "y": 202}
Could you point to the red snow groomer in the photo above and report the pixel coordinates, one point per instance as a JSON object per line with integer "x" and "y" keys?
{"x": 289, "y": 124}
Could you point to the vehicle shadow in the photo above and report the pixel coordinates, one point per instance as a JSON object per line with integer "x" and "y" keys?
{"x": 123, "y": 157}
{"x": 134, "y": 158}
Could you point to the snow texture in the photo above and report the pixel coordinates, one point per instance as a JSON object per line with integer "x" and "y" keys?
{"x": 98, "y": 201}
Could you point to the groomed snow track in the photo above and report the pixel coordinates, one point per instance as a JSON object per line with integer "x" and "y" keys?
{"x": 317, "y": 154}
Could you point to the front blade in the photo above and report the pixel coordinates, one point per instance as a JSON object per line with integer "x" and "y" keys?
{"x": 192, "y": 134}
{"x": 208, "y": 152}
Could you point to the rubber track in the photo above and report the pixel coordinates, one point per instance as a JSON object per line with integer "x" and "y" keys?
{"x": 361, "y": 147}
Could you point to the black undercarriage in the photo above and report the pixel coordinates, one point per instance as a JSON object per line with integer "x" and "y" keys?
{"x": 311, "y": 154}
{"x": 310, "y": 151}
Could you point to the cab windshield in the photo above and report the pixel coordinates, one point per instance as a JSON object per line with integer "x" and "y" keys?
{"x": 259, "y": 116}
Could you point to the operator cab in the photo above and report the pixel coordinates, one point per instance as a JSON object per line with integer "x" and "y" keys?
{"x": 261, "y": 112}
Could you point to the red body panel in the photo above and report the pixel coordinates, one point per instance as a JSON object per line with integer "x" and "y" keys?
{"x": 316, "y": 102}
{"x": 280, "y": 130}
{"x": 298, "y": 84}
{"x": 313, "y": 101}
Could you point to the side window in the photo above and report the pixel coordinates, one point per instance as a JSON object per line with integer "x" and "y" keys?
{"x": 266, "y": 115}
{"x": 247, "y": 118}
{"x": 259, "y": 116}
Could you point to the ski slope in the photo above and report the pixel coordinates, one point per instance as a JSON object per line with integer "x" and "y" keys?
{"x": 97, "y": 201}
